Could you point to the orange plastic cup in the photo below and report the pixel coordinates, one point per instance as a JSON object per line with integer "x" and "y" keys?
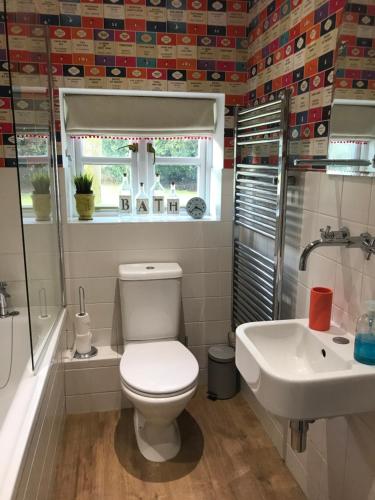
{"x": 320, "y": 308}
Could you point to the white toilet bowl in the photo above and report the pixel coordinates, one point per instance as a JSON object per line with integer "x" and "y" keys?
{"x": 159, "y": 378}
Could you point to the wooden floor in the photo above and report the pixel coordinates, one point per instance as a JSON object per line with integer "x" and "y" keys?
{"x": 225, "y": 455}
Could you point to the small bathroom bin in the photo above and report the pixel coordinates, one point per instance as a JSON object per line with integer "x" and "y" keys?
{"x": 222, "y": 372}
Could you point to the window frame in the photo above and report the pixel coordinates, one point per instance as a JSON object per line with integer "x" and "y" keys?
{"x": 142, "y": 167}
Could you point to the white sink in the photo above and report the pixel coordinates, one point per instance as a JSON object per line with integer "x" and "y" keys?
{"x": 303, "y": 374}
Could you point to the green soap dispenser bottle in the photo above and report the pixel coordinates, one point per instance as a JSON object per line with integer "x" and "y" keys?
{"x": 364, "y": 345}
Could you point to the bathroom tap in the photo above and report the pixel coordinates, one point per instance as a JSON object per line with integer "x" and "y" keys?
{"x": 368, "y": 244}
{"x": 342, "y": 238}
{"x": 4, "y": 295}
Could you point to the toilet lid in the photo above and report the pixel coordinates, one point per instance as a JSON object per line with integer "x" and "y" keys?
{"x": 158, "y": 368}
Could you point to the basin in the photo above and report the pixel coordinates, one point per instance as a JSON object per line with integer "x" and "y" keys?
{"x": 303, "y": 374}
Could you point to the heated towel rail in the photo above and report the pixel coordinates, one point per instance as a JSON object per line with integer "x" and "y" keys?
{"x": 260, "y": 182}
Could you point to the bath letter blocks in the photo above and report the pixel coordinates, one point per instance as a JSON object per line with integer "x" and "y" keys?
{"x": 173, "y": 206}
{"x": 142, "y": 207}
{"x": 125, "y": 204}
{"x": 158, "y": 204}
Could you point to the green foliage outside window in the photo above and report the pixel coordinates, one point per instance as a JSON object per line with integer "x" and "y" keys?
{"x": 176, "y": 148}
{"x": 184, "y": 175}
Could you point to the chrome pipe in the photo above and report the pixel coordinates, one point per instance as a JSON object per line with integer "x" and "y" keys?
{"x": 255, "y": 198}
{"x": 263, "y": 284}
{"x": 255, "y": 254}
{"x": 260, "y": 175}
{"x": 340, "y": 238}
{"x": 253, "y": 213}
{"x": 255, "y": 229}
{"x": 263, "y": 115}
{"x": 252, "y": 220}
{"x": 254, "y": 165}
{"x": 260, "y": 132}
{"x": 253, "y": 182}
{"x": 261, "y": 106}
{"x": 333, "y": 162}
{"x": 298, "y": 434}
{"x": 259, "y": 141}
{"x": 263, "y": 124}
{"x": 247, "y": 203}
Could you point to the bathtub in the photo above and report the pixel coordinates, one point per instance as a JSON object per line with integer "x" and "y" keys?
{"x": 21, "y": 394}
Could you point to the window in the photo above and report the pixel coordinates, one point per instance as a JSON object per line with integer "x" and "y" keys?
{"x": 183, "y": 161}
{"x": 179, "y": 135}
{"x": 33, "y": 156}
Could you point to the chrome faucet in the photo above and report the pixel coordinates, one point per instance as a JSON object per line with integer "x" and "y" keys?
{"x": 4, "y": 295}
{"x": 341, "y": 238}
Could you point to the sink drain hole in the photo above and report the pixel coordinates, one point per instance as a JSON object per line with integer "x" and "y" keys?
{"x": 324, "y": 354}
{"x": 340, "y": 340}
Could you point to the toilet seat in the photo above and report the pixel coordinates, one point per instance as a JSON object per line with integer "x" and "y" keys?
{"x": 158, "y": 369}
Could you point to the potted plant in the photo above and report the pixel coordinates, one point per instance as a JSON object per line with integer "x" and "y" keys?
{"x": 84, "y": 196}
{"x": 41, "y": 196}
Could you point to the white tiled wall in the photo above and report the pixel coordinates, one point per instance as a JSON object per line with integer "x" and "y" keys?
{"x": 38, "y": 473}
{"x": 94, "y": 384}
{"x": 339, "y": 201}
{"x": 93, "y": 252}
{"x": 339, "y": 463}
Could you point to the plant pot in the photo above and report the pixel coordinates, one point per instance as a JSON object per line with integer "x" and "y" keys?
{"x": 41, "y": 206}
{"x": 85, "y": 204}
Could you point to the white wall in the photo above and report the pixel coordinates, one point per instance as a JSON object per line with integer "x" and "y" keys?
{"x": 339, "y": 463}
{"x": 94, "y": 250}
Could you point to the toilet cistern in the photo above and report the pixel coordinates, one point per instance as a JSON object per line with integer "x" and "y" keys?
{"x": 341, "y": 238}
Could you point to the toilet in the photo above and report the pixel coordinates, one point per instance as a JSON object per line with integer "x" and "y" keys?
{"x": 159, "y": 375}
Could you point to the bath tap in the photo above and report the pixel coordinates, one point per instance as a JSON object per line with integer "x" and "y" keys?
{"x": 4, "y": 295}
{"x": 341, "y": 238}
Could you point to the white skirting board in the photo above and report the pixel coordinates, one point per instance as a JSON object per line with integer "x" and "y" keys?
{"x": 93, "y": 385}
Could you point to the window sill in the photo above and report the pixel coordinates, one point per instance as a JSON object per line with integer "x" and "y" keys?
{"x": 116, "y": 219}
{"x": 29, "y": 220}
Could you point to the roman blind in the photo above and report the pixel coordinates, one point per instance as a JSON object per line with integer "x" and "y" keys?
{"x": 353, "y": 121}
{"x": 98, "y": 114}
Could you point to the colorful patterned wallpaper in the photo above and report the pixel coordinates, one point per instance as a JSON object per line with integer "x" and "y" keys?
{"x": 173, "y": 45}
{"x": 292, "y": 44}
{"x": 195, "y": 45}
{"x": 355, "y": 66}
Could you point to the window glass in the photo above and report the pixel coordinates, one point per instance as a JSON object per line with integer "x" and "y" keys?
{"x": 350, "y": 149}
{"x": 107, "y": 182}
{"x": 26, "y": 175}
{"x": 113, "y": 148}
{"x": 32, "y": 158}
{"x": 185, "y": 178}
{"x": 178, "y": 148}
{"x": 32, "y": 146}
